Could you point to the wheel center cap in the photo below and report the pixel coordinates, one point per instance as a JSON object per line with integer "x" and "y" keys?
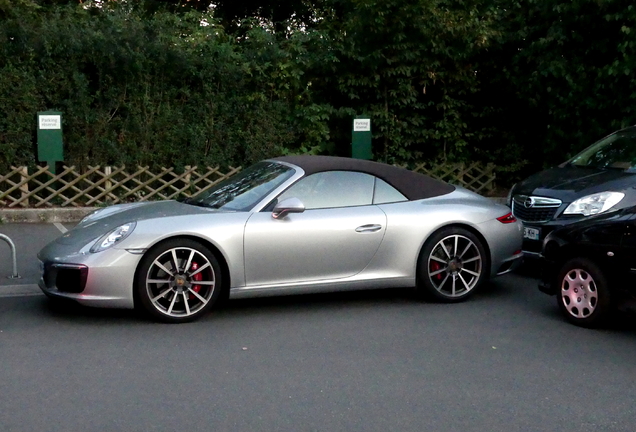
{"x": 454, "y": 266}
{"x": 179, "y": 281}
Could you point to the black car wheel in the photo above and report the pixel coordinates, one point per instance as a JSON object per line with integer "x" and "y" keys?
{"x": 452, "y": 265}
{"x": 178, "y": 280}
{"x": 583, "y": 293}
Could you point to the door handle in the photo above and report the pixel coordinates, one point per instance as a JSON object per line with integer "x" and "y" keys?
{"x": 368, "y": 228}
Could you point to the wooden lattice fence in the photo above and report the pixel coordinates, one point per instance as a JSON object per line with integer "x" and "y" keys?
{"x": 97, "y": 186}
{"x": 475, "y": 176}
{"x": 102, "y": 186}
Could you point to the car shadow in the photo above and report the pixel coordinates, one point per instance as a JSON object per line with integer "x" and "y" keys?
{"x": 622, "y": 321}
{"x": 497, "y": 294}
{"x": 72, "y": 311}
{"x": 350, "y": 298}
{"x": 530, "y": 267}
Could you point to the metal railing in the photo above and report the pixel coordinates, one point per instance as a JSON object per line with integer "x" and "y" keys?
{"x": 15, "y": 274}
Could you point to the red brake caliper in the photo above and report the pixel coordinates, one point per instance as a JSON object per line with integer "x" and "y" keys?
{"x": 196, "y": 277}
{"x": 434, "y": 267}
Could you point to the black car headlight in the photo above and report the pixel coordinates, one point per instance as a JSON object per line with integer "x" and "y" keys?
{"x": 594, "y": 204}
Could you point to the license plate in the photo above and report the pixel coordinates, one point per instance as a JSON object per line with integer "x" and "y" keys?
{"x": 531, "y": 233}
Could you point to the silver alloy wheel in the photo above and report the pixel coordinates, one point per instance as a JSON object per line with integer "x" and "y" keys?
{"x": 578, "y": 293}
{"x": 180, "y": 282}
{"x": 454, "y": 265}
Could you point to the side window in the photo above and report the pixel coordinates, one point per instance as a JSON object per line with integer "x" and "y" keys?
{"x": 385, "y": 193}
{"x": 331, "y": 189}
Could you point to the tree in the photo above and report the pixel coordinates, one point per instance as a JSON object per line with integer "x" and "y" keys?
{"x": 564, "y": 75}
{"x": 410, "y": 66}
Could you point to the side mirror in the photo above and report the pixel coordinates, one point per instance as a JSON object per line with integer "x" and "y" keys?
{"x": 286, "y": 206}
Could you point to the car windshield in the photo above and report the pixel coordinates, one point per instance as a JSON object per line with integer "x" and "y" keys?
{"x": 242, "y": 191}
{"x": 616, "y": 151}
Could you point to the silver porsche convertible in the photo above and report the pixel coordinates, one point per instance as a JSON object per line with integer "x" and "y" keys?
{"x": 295, "y": 224}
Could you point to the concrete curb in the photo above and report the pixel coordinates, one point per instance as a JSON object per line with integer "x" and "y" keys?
{"x": 20, "y": 290}
{"x": 75, "y": 214}
{"x": 48, "y": 215}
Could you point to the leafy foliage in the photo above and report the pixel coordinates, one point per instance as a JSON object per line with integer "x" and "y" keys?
{"x": 563, "y": 74}
{"x": 410, "y": 66}
{"x": 178, "y": 82}
{"x": 160, "y": 90}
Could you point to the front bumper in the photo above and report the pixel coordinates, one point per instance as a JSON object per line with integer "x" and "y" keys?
{"x": 532, "y": 248}
{"x": 109, "y": 277}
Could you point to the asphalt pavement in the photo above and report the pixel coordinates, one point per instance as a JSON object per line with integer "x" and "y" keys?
{"x": 381, "y": 360}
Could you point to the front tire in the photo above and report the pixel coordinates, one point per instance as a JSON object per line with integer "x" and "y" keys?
{"x": 452, "y": 265}
{"x": 178, "y": 281}
{"x": 583, "y": 293}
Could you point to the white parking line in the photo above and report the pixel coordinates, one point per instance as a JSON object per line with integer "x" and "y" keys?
{"x": 19, "y": 290}
{"x": 61, "y": 227}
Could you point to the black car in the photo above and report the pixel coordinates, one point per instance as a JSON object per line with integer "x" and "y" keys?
{"x": 591, "y": 266}
{"x": 599, "y": 179}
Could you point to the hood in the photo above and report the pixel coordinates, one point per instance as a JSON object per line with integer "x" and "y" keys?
{"x": 105, "y": 220}
{"x": 569, "y": 183}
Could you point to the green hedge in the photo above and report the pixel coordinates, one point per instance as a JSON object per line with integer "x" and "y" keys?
{"x": 159, "y": 90}
{"x": 519, "y": 84}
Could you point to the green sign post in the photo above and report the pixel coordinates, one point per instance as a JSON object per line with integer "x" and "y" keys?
{"x": 361, "y": 138}
{"x": 50, "y": 148}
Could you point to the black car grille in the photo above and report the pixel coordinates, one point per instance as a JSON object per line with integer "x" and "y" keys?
{"x": 533, "y": 214}
{"x": 542, "y": 210}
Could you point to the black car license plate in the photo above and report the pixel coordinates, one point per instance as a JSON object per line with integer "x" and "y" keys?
{"x": 531, "y": 233}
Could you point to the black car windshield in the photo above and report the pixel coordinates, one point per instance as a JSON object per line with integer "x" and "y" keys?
{"x": 616, "y": 151}
{"x": 242, "y": 191}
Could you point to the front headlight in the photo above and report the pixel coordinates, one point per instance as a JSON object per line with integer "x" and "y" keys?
{"x": 594, "y": 204}
{"x": 112, "y": 238}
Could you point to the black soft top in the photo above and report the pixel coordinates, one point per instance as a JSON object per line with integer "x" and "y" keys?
{"x": 412, "y": 185}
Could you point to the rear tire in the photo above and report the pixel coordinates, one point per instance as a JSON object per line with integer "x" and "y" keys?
{"x": 452, "y": 265}
{"x": 583, "y": 293}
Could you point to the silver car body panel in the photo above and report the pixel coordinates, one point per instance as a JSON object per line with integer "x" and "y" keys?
{"x": 314, "y": 245}
{"x": 375, "y": 246}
